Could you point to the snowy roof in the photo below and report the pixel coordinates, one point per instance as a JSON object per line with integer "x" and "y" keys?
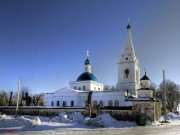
{"x": 140, "y": 99}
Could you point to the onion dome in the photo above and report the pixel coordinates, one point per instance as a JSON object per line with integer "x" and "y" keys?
{"x": 86, "y": 76}
{"x": 87, "y": 62}
{"x": 145, "y": 77}
{"x": 128, "y": 26}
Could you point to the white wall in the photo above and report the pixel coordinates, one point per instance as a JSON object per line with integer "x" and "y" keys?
{"x": 80, "y": 97}
{"x": 90, "y": 85}
{"x": 145, "y": 93}
{"x": 107, "y": 96}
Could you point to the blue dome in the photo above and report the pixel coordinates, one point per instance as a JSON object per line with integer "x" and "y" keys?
{"x": 87, "y": 62}
{"x": 86, "y": 76}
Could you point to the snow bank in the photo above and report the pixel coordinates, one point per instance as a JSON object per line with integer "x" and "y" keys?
{"x": 173, "y": 116}
{"x": 71, "y": 117}
{"x": 5, "y": 118}
{"x": 76, "y": 117}
{"x": 98, "y": 122}
{"x": 64, "y": 120}
{"x": 29, "y": 122}
{"x": 108, "y": 120}
{"x": 105, "y": 120}
{"x": 170, "y": 116}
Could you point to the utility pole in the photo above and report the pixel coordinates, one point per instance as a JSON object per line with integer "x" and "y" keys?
{"x": 164, "y": 86}
{"x": 17, "y": 104}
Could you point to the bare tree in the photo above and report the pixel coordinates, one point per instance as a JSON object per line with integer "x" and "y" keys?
{"x": 24, "y": 96}
{"x": 154, "y": 88}
{"x": 107, "y": 87}
{"x": 172, "y": 94}
{"x": 3, "y": 98}
{"x": 113, "y": 87}
{"x": 38, "y": 99}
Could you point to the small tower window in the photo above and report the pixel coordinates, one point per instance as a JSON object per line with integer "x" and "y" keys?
{"x": 84, "y": 87}
{"x": 75, "y": 87}
{"x": 79, "y": 88}
{"x": 126, "y": 58}
{"x": 126, "y": 73}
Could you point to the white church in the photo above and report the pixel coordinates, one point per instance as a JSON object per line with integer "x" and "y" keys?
{"x": 129, "y": 87}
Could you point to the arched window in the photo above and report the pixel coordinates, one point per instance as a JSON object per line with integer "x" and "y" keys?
{"x": 126, "y": 73}
{"x": 64, "y": 103}
{"x": 116, "y": 103}
{"x": 58, "y": 103}
{"x": 110, "y": 103}
{"x": 79, "y": 88}
{"x": 52, "y": 103}
{"x": 95, "y": 104}
{"x": 101, "y": 103}
{"x": 72, "y": 103}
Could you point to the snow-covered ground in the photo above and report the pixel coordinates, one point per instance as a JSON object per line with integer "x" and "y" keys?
{"x": 70, "y": 122}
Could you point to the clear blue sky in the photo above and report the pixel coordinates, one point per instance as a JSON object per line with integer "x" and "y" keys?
{"x": 44, "y": 42}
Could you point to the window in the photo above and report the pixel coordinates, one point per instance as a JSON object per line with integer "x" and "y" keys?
{"x": 95, "y": 104}
{"x": 64, "y": 103}
{"x": 126, "y": 73}
{"x": 116, "y": 103}
{"x": 84, "y": 87}
{"x": 79, "y": 88}
{"x": 58, "y": 103}
{"x": 127, "y": 91}
{"x": 75, "y": 87}
{"x": 110, "y": 103}
{"x": 72, "y": 103}
{"x": 101, "y": 103}
{"x": 99, "y": 89}
{"x": 86, "y": 69}
{"x": 52, "y": 103}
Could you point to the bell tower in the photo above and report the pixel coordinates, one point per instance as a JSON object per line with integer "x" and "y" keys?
{"x": 128, "y": 68}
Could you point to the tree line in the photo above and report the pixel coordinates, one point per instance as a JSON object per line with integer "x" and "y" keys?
{"x": 25, "y": 98}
